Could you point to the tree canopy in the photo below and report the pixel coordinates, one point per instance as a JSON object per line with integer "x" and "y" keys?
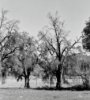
{"x": 86, "y": 36}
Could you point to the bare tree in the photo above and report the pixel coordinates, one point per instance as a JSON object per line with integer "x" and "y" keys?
{"x": 57, "y": 44}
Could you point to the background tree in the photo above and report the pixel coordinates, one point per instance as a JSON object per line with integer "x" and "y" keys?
{"x": 85, "y": 73}
{"x": 47, "y": 63}
{"x": 86, "y": 37}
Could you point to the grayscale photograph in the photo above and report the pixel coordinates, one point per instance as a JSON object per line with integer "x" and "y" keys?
{"x": 44, "y": 49}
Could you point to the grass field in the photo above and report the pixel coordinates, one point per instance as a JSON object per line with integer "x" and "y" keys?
{"x": 30, "y": 94}
{"x": 13, "y": 90}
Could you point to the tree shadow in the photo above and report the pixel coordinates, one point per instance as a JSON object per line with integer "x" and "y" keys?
{"x": 47, "y": 88}
{"x": 72, "y": 88}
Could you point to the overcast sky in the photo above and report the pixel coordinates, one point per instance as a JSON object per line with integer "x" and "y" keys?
{"x": 33, "y": 13}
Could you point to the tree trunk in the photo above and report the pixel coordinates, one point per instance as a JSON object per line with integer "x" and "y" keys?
{"x": 58, "y": 76}
{"x": 27, "y": 82}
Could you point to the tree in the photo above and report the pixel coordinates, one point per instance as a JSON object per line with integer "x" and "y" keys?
{"x": 79, "y": 65}
{"x": 58, "y": 45}
{"x": 17, "y": 50}
{"x": 24, "y": 58}
{"x": 8, "y": 31}
{"x": 85, "y": 67}
{"x": 86, "y": 36}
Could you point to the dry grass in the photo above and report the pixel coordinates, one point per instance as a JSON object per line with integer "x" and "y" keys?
{"x": 29, "y": 94}
{"x": 14, "y": 91}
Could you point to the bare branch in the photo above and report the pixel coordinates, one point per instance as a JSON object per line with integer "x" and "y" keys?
{"x": 2, "y": 19}
{"x": 12, "y": 25}
{"x": 64, "y": 50}
{"x": 44, "y": 36}
{"x": 68, "y": 49}
{"x": 76, "y": 42}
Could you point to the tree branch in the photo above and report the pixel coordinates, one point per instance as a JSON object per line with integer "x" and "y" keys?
{"x": 44, "y": 36}
{"x": 6, "y": 55}
{"x": 68, "y": 49}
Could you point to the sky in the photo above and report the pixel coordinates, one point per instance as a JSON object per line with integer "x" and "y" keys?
{"x": 32, "y": 14}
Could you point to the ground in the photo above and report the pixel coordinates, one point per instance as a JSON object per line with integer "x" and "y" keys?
{"x": 30, "y": 94}
{"x": 13, "y": 90}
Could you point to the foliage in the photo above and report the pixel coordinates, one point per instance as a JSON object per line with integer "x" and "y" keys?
{"x": 8, "y": 31}
{"x": 19, "y": 52}
{"x": 17, "y": 49}
{"x": 86, "y": 36}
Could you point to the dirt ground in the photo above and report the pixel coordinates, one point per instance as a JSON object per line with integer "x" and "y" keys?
{"x": 30, "y": 94}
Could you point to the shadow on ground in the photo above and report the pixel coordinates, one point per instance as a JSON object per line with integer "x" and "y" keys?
{"x": 73, "y": 88}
